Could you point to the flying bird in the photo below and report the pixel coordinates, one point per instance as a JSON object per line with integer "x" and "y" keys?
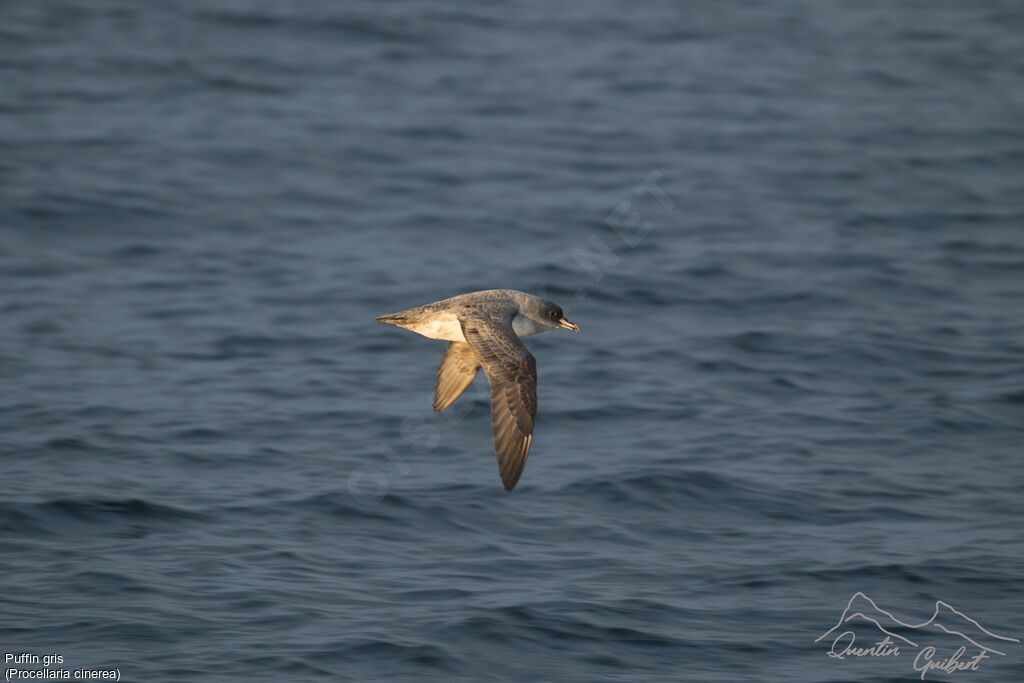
{"x": 483, "y": 329}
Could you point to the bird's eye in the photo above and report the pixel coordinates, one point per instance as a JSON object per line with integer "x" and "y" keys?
{"x": 553, "y": 314}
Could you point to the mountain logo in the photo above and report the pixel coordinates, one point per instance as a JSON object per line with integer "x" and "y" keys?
{"x": 976, "y": 643}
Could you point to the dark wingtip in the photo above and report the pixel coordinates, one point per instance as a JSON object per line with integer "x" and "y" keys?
{"x": 510, "y": 480}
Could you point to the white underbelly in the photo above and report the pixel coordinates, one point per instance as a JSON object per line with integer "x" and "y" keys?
{"x": 444, "y": 326}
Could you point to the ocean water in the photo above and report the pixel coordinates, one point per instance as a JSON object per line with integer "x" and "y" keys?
{"x": 792, "y": 234}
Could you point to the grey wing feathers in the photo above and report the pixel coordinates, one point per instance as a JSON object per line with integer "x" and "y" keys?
{"x": 512, "y": 373}
{"x": 456, "y": 372}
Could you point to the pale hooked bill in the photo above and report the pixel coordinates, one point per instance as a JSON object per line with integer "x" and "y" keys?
{"x": 483, "y": 329}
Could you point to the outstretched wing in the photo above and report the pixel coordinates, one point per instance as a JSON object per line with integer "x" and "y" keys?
{"x": 512, "y": 373}
{"x": 456, "y": 372}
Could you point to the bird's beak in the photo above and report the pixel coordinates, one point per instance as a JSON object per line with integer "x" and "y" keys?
{"x": 569, "y": 326}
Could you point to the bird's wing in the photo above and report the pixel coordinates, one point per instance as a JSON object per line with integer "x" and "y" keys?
{"x": 512, "y": 373}
{"x": 456, "y": 372}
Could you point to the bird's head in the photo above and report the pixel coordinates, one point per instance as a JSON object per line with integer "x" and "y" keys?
{"x": 549, "y": 314}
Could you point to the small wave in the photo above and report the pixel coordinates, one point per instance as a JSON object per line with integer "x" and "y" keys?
{"x": 108, "y": 583}
{"x": 660, "y": 489}
{"x": 199, "y": 434}
{"x": 68, "y": 444}
{"x": 425, "y": 655}
{"x": 539, "y": 624}
{"x": 127, "y": 508}
{"x": 132, "y": 252}
{"x": 333, "y": 505}
{"x": 368, "y": 29}
{"x": 1013, "y": 398}
{"x": 862, "y": 572}
{"x": 238, "y": 84}
{"x": 713, "y": 493}
{"x": 132, "y": 517}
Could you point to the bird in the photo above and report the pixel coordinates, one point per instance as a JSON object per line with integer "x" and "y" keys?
{"x": 483, "y": 330}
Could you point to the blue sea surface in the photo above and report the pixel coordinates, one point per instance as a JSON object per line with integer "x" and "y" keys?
{"x": 792, "y": 234}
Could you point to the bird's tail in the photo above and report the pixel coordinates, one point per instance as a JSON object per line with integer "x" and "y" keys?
{"x": 398, "y": 319}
